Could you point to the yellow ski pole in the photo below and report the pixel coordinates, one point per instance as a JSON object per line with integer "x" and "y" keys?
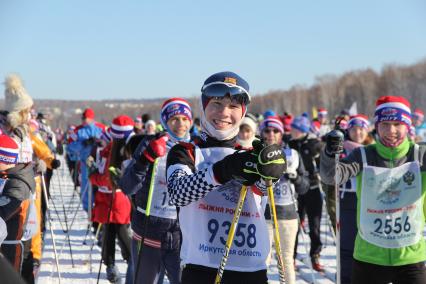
{"x": 277, "y": 240}
{"x": 231, "y": 234}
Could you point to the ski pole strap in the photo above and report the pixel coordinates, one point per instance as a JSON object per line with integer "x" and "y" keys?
{"x": 151, "y": 188}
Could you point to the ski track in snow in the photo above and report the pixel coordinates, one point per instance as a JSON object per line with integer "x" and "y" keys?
{"x": 83, "y": 272}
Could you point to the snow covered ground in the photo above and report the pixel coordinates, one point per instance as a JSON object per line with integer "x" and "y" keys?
{"x": 79, "y": 268}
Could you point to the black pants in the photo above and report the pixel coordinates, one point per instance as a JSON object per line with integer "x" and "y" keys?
{"x": 367, "y": 273}
{"x": 8, "y": 273}
{"x": 155, "y": 262}
{"x": 110, "y": 233}
{"x": 311, "y": 203}
{"x": 28, "y": 263}
{"x": 196, "y": 274}
{"x": 348, "y": 230}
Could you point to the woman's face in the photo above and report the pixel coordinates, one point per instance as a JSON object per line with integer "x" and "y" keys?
{"x": 150, "y": 129}
{"x": 358, "y": 134}
{"x": 272, "y": 136}
{"x": 223, "y": 113}
{"x": 179, "y": 125}
{"x": 246, "y": 133}
{"x": 26, "y": 115}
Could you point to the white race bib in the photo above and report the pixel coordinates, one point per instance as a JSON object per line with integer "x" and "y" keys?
{"x": 31, "y": 226}
{"x": 205, "y": 224}
{"x": 391, "y": 213}
{"x": 284, "y": 189}
{"x": 160, "y": 204}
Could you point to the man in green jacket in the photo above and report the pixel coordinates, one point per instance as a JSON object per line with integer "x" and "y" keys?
{"x": 391, "y": 190}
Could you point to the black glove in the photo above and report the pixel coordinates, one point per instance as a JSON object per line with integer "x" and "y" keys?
{"x": 89, "y": 142}
{"x": 334, "y": 143}
{"x": 55, "y": 164}
{"x": 239, "y": 166}
{"x": 271, "y": 162}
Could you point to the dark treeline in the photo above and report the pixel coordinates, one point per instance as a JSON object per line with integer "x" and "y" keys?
{"x": 334, "y": 93}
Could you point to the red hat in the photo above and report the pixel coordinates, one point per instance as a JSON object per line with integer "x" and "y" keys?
{"x": 89, "y": 113}
{"x": 419, "y": 114}
{"x": 121, "y": 127}
{"x": 392, "y": 108}
{"x": 8, "y": 150}
{"x": 315, "y": 127}
{"x": 287, "y": 120}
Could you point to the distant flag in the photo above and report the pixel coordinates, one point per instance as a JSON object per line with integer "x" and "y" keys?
{"x": 353, "y": 110}
{"x": 314, "y": 112}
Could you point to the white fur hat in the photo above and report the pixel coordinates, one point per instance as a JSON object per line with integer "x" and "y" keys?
{"x": 16, "y": 97}
{"x": 249, "y": 121}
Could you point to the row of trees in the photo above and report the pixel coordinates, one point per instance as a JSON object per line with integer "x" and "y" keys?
{"x": 336, "y": 93}
{"x": 332, "y": 92}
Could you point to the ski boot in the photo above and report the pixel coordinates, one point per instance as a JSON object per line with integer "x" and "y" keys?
{"x": 113, "y": 275}
{"x": 316, "y": 265}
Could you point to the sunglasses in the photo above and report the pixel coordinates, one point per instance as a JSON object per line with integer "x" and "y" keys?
{"x": 271, "y": 130}
{"x": 222, "y": 89}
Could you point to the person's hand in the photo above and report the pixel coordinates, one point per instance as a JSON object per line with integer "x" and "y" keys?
{"x": 271, "y": 162}
{"x": 156, "y": 147}
{"x": 41, "y": 166}
{"x": 334, "y": 143}
{"x": 239, "y": 166}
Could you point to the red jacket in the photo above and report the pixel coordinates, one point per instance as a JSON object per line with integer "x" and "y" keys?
{"x": 121, "y": 207}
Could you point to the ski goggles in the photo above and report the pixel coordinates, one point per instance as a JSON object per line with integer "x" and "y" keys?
{"x": 222, "y": 89}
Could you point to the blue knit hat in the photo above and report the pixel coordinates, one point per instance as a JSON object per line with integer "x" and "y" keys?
{"x": 301, "y": 123}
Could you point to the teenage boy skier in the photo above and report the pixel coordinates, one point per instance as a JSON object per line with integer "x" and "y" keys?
{"x": 391, "y": 188}
{"x": 204, "y": 180}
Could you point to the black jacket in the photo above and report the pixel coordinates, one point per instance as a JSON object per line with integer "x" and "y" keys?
{"x": 20, "y": 183}
{"x": 309, "y": 148}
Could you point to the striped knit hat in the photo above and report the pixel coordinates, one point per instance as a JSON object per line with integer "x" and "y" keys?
{"x": 392, "y": 108}
{"x": 8, "y": 150}
{"x": 274, "y": 122}
{"x": 172, "y": 107}
{"x": 121, "y": 127}
{"x": 315, "y": 127}
{"x": 419, "y": 114}
{"x": 322, "y": 112}
{"x": 360, "y": 120}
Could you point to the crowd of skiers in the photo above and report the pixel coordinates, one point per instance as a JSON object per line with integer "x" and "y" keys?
{"x": 167, "y": 193}
{"x": 27, "y": 160}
